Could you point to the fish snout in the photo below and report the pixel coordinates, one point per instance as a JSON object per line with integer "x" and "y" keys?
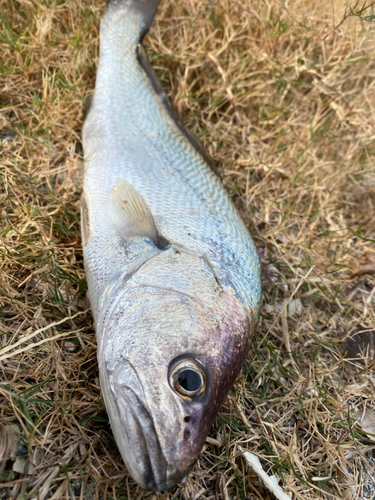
{"x": 151, "y": 456}
{"x": 139, "y": 445}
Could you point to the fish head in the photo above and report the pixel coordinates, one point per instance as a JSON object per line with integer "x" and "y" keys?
{"x": 166, "y": 362}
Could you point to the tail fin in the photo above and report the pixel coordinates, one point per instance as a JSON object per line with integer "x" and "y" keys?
{"x": 144, "y": 9}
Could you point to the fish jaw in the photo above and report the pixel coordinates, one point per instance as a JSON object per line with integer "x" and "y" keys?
{"x": 136, "y": 431}
{"x": 136, "y": 434}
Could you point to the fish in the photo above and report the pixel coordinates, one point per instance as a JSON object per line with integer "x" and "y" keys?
{"x": 173, "y": 274}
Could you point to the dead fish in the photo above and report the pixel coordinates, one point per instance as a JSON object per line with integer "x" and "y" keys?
{"x": 172, "y": 272}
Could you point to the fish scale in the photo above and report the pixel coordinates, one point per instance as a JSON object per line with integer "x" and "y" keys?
{"x": 164, "y": 247}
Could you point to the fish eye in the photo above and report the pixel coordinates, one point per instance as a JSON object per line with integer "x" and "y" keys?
{"x": 187, "y": 378}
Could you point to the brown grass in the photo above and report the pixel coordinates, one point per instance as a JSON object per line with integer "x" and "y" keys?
{"x": 282, "y": 95}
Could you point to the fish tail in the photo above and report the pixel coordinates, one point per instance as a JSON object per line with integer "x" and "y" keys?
{"x": 143, "y": 10}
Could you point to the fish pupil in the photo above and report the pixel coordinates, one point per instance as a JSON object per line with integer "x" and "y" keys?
{"x": 189, "y": 380}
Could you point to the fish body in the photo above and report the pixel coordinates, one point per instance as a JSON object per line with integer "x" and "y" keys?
{"x": 172, "y": 272}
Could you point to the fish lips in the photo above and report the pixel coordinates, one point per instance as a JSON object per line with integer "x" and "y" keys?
{"x": 136, "y": 435}
{"x": 147, "y": 463}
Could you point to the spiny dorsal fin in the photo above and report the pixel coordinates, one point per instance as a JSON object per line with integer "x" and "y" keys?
{"x": 129, "y": 213}
{"x": 158, "y": 88}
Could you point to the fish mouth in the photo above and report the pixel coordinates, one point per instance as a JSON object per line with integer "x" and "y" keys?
{"x": 136, "y": 435}
{"x": 150, "y": 466}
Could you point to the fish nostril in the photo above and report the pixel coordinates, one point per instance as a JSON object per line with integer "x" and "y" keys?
{"x": 187, "y": 434}
{"x": 188, "y": 418}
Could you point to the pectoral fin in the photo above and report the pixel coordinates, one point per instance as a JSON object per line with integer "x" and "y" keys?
{"x": 129, "y": 213}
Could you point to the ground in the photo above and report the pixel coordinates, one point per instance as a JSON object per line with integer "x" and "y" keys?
{"x": 282, "y": 96}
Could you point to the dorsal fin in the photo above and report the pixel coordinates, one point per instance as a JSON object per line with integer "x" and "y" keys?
{"x": 129, "y": 213}
{"x": 156, "y": 84}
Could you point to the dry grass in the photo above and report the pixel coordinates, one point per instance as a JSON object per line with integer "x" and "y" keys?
{"x": 282, "y": 94}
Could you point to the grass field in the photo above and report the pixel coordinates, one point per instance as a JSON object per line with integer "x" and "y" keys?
{"x": 282, "y": 96}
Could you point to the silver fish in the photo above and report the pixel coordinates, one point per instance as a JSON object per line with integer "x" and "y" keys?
{"x": 172, "y": 272}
